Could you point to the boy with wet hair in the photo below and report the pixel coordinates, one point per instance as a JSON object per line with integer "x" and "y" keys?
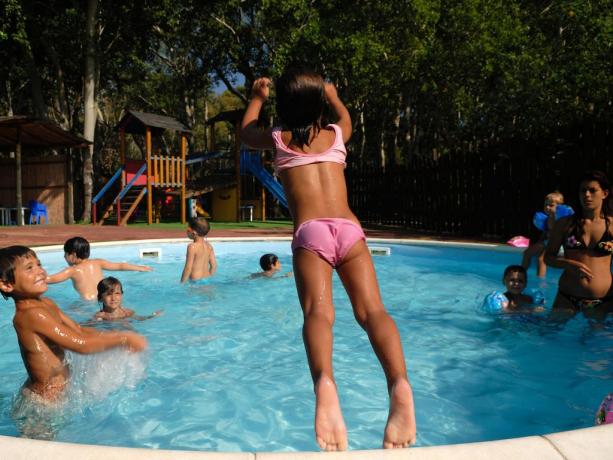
{"x": 270, "y": 265}
{"x": 86, "y": 273}
{"x": 200, "y": 262}
{"x": 44, "y": 332}
{"x": 515, "y": 279}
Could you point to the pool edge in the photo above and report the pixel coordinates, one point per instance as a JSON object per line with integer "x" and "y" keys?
{"x": 408, "y": 241}
{"x": 582, "y": 444}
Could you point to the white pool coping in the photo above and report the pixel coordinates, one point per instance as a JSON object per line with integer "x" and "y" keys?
{"x": 407, "y": 241}
{"x": 586, "y": 444}
{"x": 583, "y": 444}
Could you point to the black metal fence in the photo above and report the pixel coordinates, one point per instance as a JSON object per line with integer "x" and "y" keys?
{"x": 491, "y": 192}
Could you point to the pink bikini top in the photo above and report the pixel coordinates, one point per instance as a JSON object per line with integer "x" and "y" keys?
{"x": 286, "y": 158}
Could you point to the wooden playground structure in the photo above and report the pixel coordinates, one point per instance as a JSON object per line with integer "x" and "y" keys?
{"x": 158, "y": 178}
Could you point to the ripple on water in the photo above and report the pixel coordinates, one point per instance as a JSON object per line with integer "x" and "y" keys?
{"x": 226, "y": 368}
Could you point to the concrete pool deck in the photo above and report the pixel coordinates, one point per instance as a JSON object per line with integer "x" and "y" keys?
{"x": 582, "y": 444}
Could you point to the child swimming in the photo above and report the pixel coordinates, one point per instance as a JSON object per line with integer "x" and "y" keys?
{"x": 200, "y": 259}
{"x": 110, "y": 294}
{"x": 515, "y": 280}
{"x": 270, "y": 265}
{"x": 84, "y": 272}
{"x": 310, "y": 160}
{"x": 44, "y": 332}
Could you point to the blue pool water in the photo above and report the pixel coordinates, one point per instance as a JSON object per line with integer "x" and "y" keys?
{"x": 226, "y": 368}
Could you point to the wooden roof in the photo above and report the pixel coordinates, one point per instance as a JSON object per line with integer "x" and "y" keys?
{"x": 134, "y": 122}
{"x": 36, "y": 134}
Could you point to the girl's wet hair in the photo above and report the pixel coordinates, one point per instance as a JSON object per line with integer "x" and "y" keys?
{"x": 267, "y": 261}
{"x": 107, "y": 285}
{"x": 8, "y": 258}
{"x": 603, "y": 181}
{"x": 301, "y": 102}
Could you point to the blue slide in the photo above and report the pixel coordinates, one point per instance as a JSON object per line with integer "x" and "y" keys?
{"x": 252, "y": 162}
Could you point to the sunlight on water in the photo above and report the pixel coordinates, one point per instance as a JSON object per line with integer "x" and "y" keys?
{"x": 226, "y": 368}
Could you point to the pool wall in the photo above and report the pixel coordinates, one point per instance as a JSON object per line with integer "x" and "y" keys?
{"x": 585, "y": 444}
{"x": 582, "y": 444}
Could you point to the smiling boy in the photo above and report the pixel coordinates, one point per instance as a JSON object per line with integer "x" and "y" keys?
{"x": 44, "y": 332}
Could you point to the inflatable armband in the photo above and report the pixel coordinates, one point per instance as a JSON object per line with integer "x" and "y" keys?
{"x": 540, "y": 218}
{"x": 605, "y": 411}
{"x": 496, "y": 301}
{"x": 538, "y": 298}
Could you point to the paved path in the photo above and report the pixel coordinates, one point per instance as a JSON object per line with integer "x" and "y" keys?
{"x": 41, "y": 235}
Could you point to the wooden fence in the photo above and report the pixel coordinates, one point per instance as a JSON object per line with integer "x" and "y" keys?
{"x": 45, "y": 179}
{"x": 493, "y": 192}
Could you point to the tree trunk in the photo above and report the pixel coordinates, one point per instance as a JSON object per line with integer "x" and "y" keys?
{"x": 9, "y": 98}
{"x": 36, "y": 85}
{"x": 362, "y": 134}
{"x": 89, "y": 99}
{"x": 206, "y": 129}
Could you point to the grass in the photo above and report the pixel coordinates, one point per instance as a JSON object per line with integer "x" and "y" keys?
{"x": 221, "y": 225}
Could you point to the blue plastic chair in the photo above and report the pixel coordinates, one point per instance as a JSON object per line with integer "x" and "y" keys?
{"x": 37, "y": 210}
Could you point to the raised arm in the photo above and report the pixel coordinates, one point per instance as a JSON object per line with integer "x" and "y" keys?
{"x": 189, "y": 263}
{"x": 344, "y": 119}
{"x": 58, "y": 277}
{"x": 250, "y": 134}
{"x": 123, "y": 266}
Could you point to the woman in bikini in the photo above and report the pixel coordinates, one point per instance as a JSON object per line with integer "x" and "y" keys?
{"x": 586, "y": 284}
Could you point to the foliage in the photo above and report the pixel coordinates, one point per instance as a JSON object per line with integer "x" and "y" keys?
{"x": 420, "y": 77}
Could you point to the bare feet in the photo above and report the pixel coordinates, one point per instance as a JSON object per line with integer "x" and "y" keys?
{"x": 400, "y": 428}
{"x": 330, "y": 428}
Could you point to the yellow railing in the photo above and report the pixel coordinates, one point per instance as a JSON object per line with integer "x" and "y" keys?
{"x": 168, "y": 171}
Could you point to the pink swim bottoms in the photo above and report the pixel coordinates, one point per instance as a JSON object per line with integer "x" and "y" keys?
{"x": 329, "y": 238}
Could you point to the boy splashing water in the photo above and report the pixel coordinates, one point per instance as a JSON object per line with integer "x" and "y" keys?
{"x": 44, "y": 332}
{"x": 310, "y": 160}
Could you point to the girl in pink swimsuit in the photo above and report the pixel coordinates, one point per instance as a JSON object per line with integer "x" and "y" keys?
{"x": 310, "y": 160}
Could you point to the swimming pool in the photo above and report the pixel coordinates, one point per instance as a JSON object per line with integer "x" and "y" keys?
{"x": 226, "y": 368}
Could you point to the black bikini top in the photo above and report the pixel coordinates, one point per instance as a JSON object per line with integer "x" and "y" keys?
{"x": 574, "y": 240}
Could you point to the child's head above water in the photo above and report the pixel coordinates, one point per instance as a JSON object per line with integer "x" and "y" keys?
{"x": 269, "y": 261}
{"x": 110, "y": 293}
{"x": 199, "y": 226}
{"x": 301, "y": 102}
{"x": 515, "y": 279}
{"x": 76, "y": 248}
{"x": 15, "y": 259}
{"x": 552, "y": 200}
